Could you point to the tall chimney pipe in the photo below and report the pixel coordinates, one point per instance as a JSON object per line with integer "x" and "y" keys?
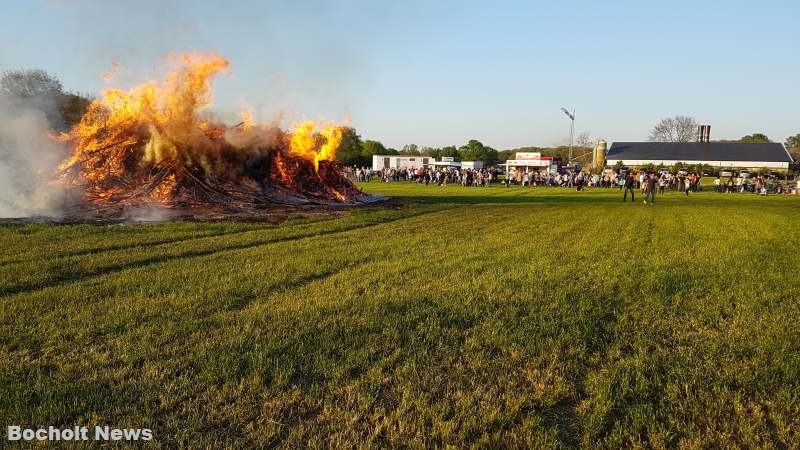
{"x": 704, "y": 133}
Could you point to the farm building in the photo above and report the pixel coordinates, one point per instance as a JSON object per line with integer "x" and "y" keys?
{"x": 737, "y": 155}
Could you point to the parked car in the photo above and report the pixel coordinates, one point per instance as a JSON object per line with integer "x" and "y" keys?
{"x": 744, "y": 174}
{"x": 725, "y": 173}
{"x": 663, "y": 171}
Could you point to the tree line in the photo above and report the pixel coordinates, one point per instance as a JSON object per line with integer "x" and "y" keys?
{"x": 357, "y": 152}
{"x": 39, "y": 90}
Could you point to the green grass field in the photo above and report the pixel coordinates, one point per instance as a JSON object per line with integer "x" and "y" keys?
{"x": 469, "y": 316}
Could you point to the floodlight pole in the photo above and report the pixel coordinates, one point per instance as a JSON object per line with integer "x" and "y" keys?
{"x": 571, "y": 130}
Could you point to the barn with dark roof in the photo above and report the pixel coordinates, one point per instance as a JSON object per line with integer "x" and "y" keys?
{"x": 737, "y": 155}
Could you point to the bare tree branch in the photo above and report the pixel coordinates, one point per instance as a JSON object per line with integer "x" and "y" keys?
{"x": 584, "y": 140}
{"x": 675, "y": 129}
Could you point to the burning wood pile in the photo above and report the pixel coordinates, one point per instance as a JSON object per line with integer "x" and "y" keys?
{"x": 149, "y": 144}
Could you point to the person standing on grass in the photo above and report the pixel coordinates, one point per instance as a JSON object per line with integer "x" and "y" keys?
{"x": 629, "y": 184}
{"x": 687, "y": 184}
{"x": 650, "y": 189}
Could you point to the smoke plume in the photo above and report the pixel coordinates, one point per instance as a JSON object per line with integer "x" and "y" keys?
{"x": 28, "y": 162}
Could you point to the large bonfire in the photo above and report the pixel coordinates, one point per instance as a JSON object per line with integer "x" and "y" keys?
{"x": 149, "y": 144}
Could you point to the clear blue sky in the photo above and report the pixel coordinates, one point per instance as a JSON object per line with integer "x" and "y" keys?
{"x": 440, "y": 73}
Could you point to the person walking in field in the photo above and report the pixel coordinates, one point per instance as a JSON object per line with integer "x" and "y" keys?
{"x": 629, "y": 184}
{"x": 650, "y": 190}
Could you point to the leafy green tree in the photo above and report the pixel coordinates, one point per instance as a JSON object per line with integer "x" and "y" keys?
{"x": 618, "y": 166}
{"x": 793, "y": 142}
{"x": 72, "y": 108}
{"x": 392, "y": 151}
{"x": 430, "y": 151}
{"x": 350, "y": 150}
{"x": 450, "y": 152}
{"x": 474, "y": 150}
{"x": 370, "y": 148}
{"x": 755, "y": 138}
{"x": 410, "y": 150}
{"x": 649, "y": 168}
{"x": 677, "y": 166}
{"x": 505, "y": 155}
{"x": 491, "y": 158}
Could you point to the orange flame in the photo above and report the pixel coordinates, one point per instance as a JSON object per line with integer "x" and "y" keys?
{"x": 150, "y": 139}
{"x": 316, "y": 147}
{"x": 247, "y": 118}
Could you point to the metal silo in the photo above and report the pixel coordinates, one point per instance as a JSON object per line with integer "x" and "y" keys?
{"x": 599, "y": 155}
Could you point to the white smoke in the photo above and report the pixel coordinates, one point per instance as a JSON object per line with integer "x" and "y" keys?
{"x": 28, "y": 162}
{"x": 147, "y": 213}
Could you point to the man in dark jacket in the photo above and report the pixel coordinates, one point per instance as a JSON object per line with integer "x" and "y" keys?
{"x": 628, "y": 187}
{"x": 650, "y": 193}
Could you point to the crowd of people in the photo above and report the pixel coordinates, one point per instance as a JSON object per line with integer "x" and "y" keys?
{"x": 441, "y": 176}
{"x": 647, "y": 183}
{"x": 680, "y": 182}
{"x": 760, "y": 185}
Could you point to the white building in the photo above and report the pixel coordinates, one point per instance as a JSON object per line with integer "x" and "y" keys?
{"x": 530, "y": 162}
{"x": 380, "y": 162}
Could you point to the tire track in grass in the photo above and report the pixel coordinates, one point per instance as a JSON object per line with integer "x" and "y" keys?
{"x": 564, "y": 415}
{"x": 303, "y": 230}
{"x": 174, "y": 240}
{"x": 412, "y": 270}
{"x": 140, "y": 289}
{"x": 74, "y": 278}
{"x": 284, "y": 279}
{"x": 242, "y": 302}
{"x": 154, "y": 243}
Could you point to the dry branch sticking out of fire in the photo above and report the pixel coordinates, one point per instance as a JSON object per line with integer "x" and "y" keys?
{"x": 149, "y": 144}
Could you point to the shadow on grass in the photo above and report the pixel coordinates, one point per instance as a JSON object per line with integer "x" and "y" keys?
{"x": 498, "y": 199}
{"x": 604, "y": 198}
{"x": 70, "y": 277}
